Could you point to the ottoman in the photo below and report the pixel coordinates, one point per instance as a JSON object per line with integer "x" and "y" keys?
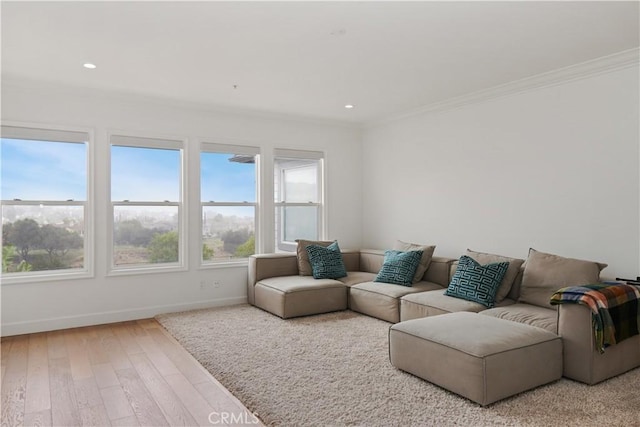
{"x": 293, "y": 296}
{"x": 482, "y": 358}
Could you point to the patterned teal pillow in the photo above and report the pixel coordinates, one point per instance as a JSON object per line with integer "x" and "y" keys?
{"x": 326, "y": 263}
{"x": 399, "y": 267}
{"x": 475, "y": 282}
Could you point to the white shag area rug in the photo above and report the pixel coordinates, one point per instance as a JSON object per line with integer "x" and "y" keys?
{"x": 334, "y": 370}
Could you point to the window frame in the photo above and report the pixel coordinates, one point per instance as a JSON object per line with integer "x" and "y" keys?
{"x": 225, "y": 148}
{"x": 88, "y": 269}
{"x": 146, "y": 140}
{"x": 282, "y": 245}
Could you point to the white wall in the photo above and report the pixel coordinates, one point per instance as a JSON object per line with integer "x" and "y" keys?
{"x": 554, "y": 168}
{"x": 44, "y": 306}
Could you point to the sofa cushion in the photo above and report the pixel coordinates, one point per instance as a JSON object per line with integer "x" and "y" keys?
{"x": 435, "y": 303}
{"x": 382, "y": 300}
{"x": 296, "y": 283}
{"x": 509, "y": 276}
{"x": 399, "y": 267}
{"x": 395, "y": 291}
{"x": 355, "y": 277}
{"x": 546, "y": 273}
{"x": 425, "y": 260}
{"x": 371, "y": 260}
{"x": 447, "y": 304}
{"x": 304, "y": 266}
{"x": 293, "y": 296}
{"x": 475, "y": 282}
{"x": 545, "y": 318}
{"x": 326, "y": 262}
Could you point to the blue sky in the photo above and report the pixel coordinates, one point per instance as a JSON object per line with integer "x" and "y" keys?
{"x": 225, "y": 181}
{"x": 36, "y": 170}
{"x": 145, "y": 174}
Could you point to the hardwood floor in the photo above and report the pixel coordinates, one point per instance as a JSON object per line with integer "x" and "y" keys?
{"x": 121, "y": 374}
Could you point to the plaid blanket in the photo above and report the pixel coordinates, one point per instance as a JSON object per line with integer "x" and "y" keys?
{"x": 614, "y": 310}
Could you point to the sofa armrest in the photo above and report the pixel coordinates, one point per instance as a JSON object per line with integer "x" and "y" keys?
{"x": 582, "y": 360}
{"x": 263, "y": 266}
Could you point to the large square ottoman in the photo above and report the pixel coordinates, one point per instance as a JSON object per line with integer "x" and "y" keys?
{"x": 293, "y": 296}
{"x": 482, "y": 358}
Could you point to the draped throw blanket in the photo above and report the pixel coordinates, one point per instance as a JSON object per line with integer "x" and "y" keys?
{"x": 614, "y": 310}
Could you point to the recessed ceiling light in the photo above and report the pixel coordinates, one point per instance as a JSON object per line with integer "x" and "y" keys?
{"x": 348, "y": 106}
{"x": 89, "y": 65}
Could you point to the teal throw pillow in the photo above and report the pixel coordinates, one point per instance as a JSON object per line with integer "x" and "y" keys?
{"x": 475, "y": 282}
{"x": 399, "y": 267}
{"x": 326, "y": 263}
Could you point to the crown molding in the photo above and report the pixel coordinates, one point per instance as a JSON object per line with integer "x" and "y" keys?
{"x": 602, "y": 65}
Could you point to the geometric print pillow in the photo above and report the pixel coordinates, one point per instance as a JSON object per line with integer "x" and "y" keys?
{"x": 326, "y": 263}
{"x": 399, "y": 267}
{"x": 475, "y": 282}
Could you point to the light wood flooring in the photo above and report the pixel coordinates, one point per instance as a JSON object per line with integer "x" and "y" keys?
{"x": 121, "y": 374}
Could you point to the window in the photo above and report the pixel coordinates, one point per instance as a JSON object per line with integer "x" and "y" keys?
{"x": 228, "y": 196}
{"x": 45, "y": 182}
{"x": 298, "y": 197}
{"x": 146, "y": 199}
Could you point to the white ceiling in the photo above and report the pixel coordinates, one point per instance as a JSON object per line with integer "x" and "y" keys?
{"x": 307, "y": 59}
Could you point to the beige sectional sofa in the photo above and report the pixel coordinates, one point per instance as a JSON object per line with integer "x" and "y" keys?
{"x": 274, "y": 284}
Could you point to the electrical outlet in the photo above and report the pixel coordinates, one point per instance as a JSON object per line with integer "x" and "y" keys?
{"x": 209, "y": 284}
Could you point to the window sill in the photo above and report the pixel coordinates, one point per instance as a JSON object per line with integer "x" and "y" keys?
{"x": 19, "y": 279}
{"x": 224, "y": 264}
{"x": 130, "y": 271}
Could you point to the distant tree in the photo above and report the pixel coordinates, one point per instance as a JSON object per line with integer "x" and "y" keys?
{"x": 164, "y": 247}
{"x": 24, "y": 234}
{"x": 57, "y": 241}
{"x": 234, "y": 238}
{"x": 248, "y": 248}
{"x": 24, "y": 266}
{"x": 207, "y": 252}
{"x": 131, "y": 232}
{"x": 6, "y": 228}
{"x": 8, "y": 257}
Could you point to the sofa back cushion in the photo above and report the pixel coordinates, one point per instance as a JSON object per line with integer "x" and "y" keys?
{"x": 351, "y": 259}
{"x": 509, "y": 277}
{"x": 326, "y": 262}
{"x": 304, "y": 266}
{"x": 475, "y": 282}
{"x": 425, "y": 260}
{"x": 546, "y": 273}
{"x": 371, "y": 260}
{"x": 439, "y": 271}
{"x": 399, "y": 267}
{"x": 514, "y": 293}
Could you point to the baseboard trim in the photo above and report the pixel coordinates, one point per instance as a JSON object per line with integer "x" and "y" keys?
{"x": 65, "y": 322}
